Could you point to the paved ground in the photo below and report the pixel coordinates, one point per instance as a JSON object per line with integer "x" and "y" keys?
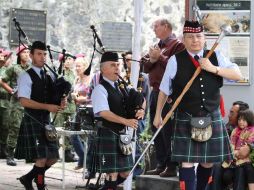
{"x": 8, "y": 175}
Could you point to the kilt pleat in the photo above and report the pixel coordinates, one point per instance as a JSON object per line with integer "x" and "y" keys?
{"x": 32, "y": 143}
{"x": 109, "y": 157}
{"x": 216, "y": 149}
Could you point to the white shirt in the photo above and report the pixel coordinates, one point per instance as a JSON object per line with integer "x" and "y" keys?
{"x": 100, "y": 98}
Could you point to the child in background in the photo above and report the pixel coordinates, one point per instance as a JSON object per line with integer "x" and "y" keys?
{"x": 241, "y": 136}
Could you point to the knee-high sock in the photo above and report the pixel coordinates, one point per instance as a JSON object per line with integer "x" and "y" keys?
{"x": 39, "y": 179}
{"x": 187, "y": 178}
{"x": 32, "y": 173}
{"x": 203, "y": 175}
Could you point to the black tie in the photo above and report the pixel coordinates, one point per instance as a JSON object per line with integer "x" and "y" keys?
{"x": 42, "y": 75}
{"x": 116, "y": 86}
{"x": 196, "y": 57}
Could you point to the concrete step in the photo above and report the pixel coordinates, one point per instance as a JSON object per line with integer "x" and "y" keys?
{"x": 155, "y": 182}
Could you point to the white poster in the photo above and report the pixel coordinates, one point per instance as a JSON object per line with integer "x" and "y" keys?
{"x": 236, "y": 48}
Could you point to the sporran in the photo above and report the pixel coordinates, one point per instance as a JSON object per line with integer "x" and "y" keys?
{"x": 125, "y": 144}
{"x": 50, "y": 132}
{"x": 201, "y": 128}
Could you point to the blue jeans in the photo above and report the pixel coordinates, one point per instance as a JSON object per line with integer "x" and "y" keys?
{"x": 79, "y": 148}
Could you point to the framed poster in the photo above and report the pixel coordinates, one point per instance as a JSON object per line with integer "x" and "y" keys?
{"x": 116, "y": 36}
{"x": 236, "y": 46}
{"x": 33, "y": 22}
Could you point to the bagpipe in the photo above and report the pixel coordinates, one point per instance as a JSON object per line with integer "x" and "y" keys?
{"x": 133, "y": 99}
{"x": 60, "y": 87}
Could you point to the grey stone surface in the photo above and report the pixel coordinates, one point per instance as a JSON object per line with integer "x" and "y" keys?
{"x": 9, "y": 175}
{"x": 155, "y": 182}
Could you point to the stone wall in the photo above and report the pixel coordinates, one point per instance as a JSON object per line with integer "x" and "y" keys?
{"x": 68, "y": 21}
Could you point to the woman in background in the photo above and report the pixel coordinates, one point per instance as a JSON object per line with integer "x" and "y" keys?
{"x": 81, "y": 97}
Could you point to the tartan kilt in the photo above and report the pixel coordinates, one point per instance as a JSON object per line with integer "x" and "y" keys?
{"x": 109, "y": 156}
{"x": 184, "y": 149}
{"x": 32, "y": 143}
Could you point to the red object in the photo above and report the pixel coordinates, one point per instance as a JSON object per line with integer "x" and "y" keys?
{"x": 192, "y": 30}
{"x": 40, "y": 179}
{"x": 182, "y": 185}
{"x": 6, "y": 53}
{"x": 194, "y": 61}
{"x": 60, "y": 57}
{"x": 222, "y": 106}
{"x": 80, "y": 55}
{"x": 210, "y": 180}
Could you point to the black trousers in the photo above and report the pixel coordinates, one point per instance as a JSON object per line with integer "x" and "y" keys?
{"x": 163, "y": 141}
{"x": 224, "y": 177}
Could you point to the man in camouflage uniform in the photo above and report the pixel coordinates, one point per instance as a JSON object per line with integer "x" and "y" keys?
{"x": 4, "y": 104}
{"x": 70, "y": 109}
{"x": 16, "y": 111}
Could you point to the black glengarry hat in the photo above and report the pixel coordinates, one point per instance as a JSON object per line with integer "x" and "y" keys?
{"x": 192, "y": 27}
{"x": 109, "y": 56}
{"x": 39, "y": 45}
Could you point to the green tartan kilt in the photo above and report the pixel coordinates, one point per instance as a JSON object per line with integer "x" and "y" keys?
{"x": 184, "y": 149}
{"x": 109, "y": 157}
{"x": 32, "y": 143}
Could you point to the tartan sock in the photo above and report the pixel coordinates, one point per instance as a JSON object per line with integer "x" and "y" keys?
{"x": 39, "y": 179}
{"x": 120, "y": 179}
{"x": 203, "y": 175}
{"x": 33, "y": 172}
{"x": 187, "y": 178}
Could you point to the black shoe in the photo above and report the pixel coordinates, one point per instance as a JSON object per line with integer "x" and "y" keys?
{"x": 44, "y": 187}
{"x": 10, "y": 157}
{"x": 109, "y": 185}
{"x": 27, "y": 184}
{"x": 11, "y": 162}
